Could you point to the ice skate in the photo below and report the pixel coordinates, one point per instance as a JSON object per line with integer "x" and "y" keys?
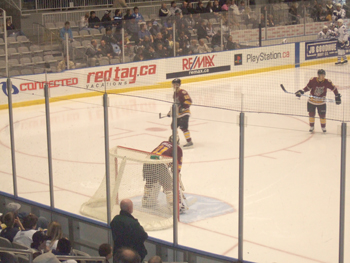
{"x": 188, "y": 144}
{"x": 338, "y": 63}
{"x": 324, "y": 130}
{"x": 345, "y": 62}
{"x": 312, "y": 129}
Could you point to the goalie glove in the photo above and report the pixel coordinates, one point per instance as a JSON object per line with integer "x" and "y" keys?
{"x": 299, "y": 93}
{"x": 338, "y": 99}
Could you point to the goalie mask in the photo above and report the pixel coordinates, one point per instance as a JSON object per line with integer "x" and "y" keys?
{"x": 177, "y": 139}
{"x": 176, "y": 84}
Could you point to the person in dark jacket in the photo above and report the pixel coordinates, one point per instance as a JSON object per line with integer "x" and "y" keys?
{"x": 10, "y": 231}
{"x": 94, "y": 21}
{"x": 127, "y": 231}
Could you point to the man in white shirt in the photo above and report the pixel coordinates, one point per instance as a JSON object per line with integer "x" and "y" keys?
{"x": 343, "y": 37}
{"x": 24, "y": 237}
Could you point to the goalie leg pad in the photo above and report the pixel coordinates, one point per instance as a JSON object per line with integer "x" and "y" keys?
{"x": 169, "y": 198}
{"x": 150, "y": 195}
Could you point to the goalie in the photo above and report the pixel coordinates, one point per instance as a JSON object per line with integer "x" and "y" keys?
{"x": 158, "y": 175}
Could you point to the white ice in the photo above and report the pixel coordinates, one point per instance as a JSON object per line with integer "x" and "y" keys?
{"x": 292, "y": 177}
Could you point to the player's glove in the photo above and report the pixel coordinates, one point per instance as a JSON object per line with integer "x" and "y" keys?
{"x": 299, "y": 93}
{"x": 337, "y": 99}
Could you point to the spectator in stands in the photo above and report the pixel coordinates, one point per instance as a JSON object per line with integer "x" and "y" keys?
{"x": 144, "y": 32}
{"x": 94, "y": 21}
{"x": 316, "y": 11}
{"x": 128, "y": 15}
{"x": 9, "y": 230}
{"x": 168, "y": 25}
{"x": 158, "y": 39}
{"x": 216, "y": 40}
{"x": 230, "y": 45}
{"x": 138, "y": 17}
{"x": 209, "y": 12}
{"x": 126, "y": 255}
{"x": 66, "y": 30}
{"x": 63, "y": 65}
{"x": 149, "y": 52}
{"x": 193, "y": 47}
{"x": 190, "y": 21}
{"x": 54, "y": 232}
{"x": 270, "y": 21}
{"x": 241, "y": 7}
{"x": 155, "y": 259}
{"x": 147, "y": 42}
{"x": 155, "y": 29}
{"x": 84, "y": 22}
{"x": 183, "y": 34}
{"x": 190, "y": 8}
{"x": 200, "y": 8}
{"x": 24, "y": 237}
{"x": 38, "y": 245}
{"x": 133, "y": 30}
{"x": 163, "y": 11}
{"x": 210, "y": 30}
{"x": 139, "y": 54}
{"x": 160, "y": 51}
{"x": 11, "y": 30}
{"x": 118, "y": 19}
{"x": 64, "y": 248}
{"x": 127, "y": 231}
{"x": 249, "y": 17}
{"x": 226, "y": 5}
{"x": 92, "y": 53}
{"x": 202, "y": 47}
{"x": 216, "y": 7}
{"x": 14, "y": 207}
{"x": 184, "y": 9}
{"x": 106, "y": 20}
{"x": 202, "y": 31}
{"x": 111, "y": 41}
{"x": 106, "y": 50}
{"x": 173, "y": 8}
{"x": 105, "y": 250}
{"x": 234, "y": 8}
{"x": 293, "y": 12}
{"x": 169, "y": 43}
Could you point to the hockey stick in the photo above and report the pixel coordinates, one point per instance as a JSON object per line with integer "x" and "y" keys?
{"x": 161, "y": 117}
{"x": 309, "y": 96}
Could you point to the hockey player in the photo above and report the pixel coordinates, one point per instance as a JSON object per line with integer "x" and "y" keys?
{"x": 183, "y": 99}
{"x": 324, "y": 33}
{"x": 343, "y": 36}
{"x": 158, "y": 175}
{"x": 338, "y": 13}
{"x": 332, "y": 29}
{"x": 318, "y": 89}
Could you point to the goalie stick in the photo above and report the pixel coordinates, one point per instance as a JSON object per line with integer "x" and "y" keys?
{"x": 309, "y": 96}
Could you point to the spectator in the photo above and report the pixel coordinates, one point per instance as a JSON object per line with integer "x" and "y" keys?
{"x": 226, "y": 5}
{"x": 128, "y": 15}
{"x": 84, "y": 22}
{"x": 106, "y": 20}
{"x": 106, "y": 50}
{"x": 216, "y": 7}
{"x": 138, "y": 17}
{"x": 105, "y": 250}
{"x": 190, "y": 21}
{"x": 147, "y": 42}
{"x": 163, "y": 11}
{"x": 66, "y": 30}
{"x": 155, "y": 29}
{"x": 111, "y": 41}
{"x": 64, "y": 248}
{"x": 11, "y": 30}
{"x": 202, "y": 31}
{"x": 169, "y": 43}
{"x": 168, "y": 25}
{"x": 293, "y": 12}
{"x": 216, "y": 40}
{"x": 193, "y": 47}
{"x": 54, "y": 232}
{"x": 14, "y": 207}
{"x": 9, "y": 231}
{"x": 173, "y": 8}
{"x": 209, "y": 10}
{"x": 241, "y": 7}
{"x": 63, "y": 65}
{"x": 155, "y": 259}
{"x": 184, "y": 9}
{"x": 94, "y": 21}
{"x": 160, "y": 51}
{"x": 158, "y": 39}
{"x": 24, "y": 237}
{"x": 249, "y": 17}
{"x": 339, "y": 13}
{"x": 127, "y": 231}
{"x": 234, "y": 8}
{"x": 92, "y": 53}
{"x": 183, "y": 34}
{"x": 202, "y": 47}
{"x": 46, "y": 258}
{"x": 190, "y": 8}
{"x": 149, "y": 52}
{"x": 210, "y": 30}
{"x": 133, "y": 30}
{"x": 144, "y": 32}
{"x": 118, "y": 19}
{"x": 270, "y": 21}
{"x": 38, "y": 245}
{"x": 200, "y": 8}
{"x": 139, "y": 55}
{"x": 230, "y": 45}
{"x": 126, "y": 255}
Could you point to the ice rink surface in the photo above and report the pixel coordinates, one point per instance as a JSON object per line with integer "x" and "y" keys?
{"x": 292, "y": 177}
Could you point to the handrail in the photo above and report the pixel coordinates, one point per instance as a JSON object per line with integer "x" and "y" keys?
{"x": 19, "y": 251}
{"x": 102, "y": 259}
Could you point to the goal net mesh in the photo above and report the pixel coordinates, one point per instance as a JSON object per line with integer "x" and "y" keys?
{"x": 143, "y": 177}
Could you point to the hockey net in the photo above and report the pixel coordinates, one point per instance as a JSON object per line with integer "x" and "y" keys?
{"x": 143, "y": 177}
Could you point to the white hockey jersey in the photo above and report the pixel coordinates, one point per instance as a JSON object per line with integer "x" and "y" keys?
{"x": 338, "y": 14}
{"x": 342, "y": 34}
{"x": 322, "y": 35}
